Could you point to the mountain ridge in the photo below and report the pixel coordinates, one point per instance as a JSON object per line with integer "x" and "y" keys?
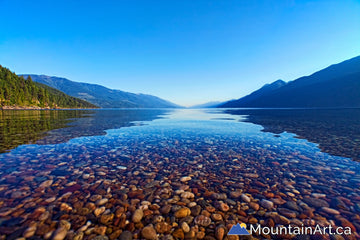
{"x": 102, "y": 96}
{"x": 316, "y": 90}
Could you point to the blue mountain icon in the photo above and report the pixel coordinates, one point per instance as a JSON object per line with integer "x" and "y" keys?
{"x": 239, "y": 230}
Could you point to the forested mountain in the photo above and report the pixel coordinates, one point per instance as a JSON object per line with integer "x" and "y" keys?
{"x": 335, "y": 86}
{"x": 102, "y": 96}
{"x": 17, "y": 91}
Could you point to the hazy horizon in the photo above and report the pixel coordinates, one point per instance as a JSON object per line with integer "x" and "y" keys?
{"x": 183, "y": 51}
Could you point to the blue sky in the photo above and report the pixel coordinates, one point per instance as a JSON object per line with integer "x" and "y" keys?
{"x": 186, "y": 51}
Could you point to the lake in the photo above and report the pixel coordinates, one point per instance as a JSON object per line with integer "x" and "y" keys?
{"x": 177, "y": 173}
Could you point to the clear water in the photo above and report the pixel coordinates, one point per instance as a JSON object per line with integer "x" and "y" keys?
{"x": 284, "y": 154}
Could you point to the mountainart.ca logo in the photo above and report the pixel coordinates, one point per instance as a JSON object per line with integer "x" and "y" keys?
{"x": 239, "y": 229}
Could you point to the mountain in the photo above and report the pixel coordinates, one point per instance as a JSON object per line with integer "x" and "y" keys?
{"x": 18, "y": 92}
{"x": 267, "y": 88}
{"x": 335, "y": 86}
{"x": 207, "y": 105}
{"x": 102, "y": 96}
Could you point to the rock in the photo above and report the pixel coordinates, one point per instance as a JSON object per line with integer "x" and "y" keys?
{"x": 278, "y": 201}
{"x": 95, "y": 197}
{"x": 318, "y": 195}
{"x": 330, "y": 210}
{"x": 195, "y": 211}
{"x": 187, "y": 195}
{"x": 165, "y": 209}
{"x": 216, "y": 217}
{"x": 107, "y": 219}
{"x": 149, "y": 232}
{"x": 185, "y": 179}
{"x": 178, "y": 233}
{"x": 223, "y": 206}
{"x": 17, "y": 194}
{"x": 185, "y": 227}
{"x": 316, "y": 202}
{"x": 65, "y": 207}
{"x": 30, "y": 231}
{"x": 162, "y": 227}
{"x": 219, "y": 196}
{"x": 190, "y": 235}
{"x": 287, "y": 213}
{"x": 219, "y": 233}
{"x": 281, "y": 220}
{"x": 99, "y": 211}
{"x": 79, "y": 236}
{"x": 339, "y": 204}
{"x": 138, "y": 215}
{"x": 202, "y": 220}
{"x": 46, "y": 184}
{"x": 126, "y": 235}
{"x": 65, "y": 224}
{"x": 245, "y": 198}
{"x": 101, "y": 201}
{"x": 183, "y": 212}
{"x": 254, "y": 206}
{"x": 200, "y": 235}
{"x": 292, "y": 205}
{"x": 252, "y": 220}
{"x": 267, "y": 204}
{"x": 60, "y": 234}
{"x": 235, "y": 194}
{"x": 101, "y": 237}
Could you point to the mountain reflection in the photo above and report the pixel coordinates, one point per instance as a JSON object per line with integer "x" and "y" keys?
{"x": 19, "y": 127}
{"x": 337, "y": 131}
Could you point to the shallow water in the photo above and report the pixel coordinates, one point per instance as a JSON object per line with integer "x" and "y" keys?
{"x": 273, "y": 167}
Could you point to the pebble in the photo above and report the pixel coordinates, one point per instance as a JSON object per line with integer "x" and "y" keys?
{"x": 183, "y": 212}
{"x": 330, "y": 210}
{"x": 60, "y": 234}
{"x": 245, "y": 198}
{"x": 99, "y": 211}
{"x": 185, "y": 227}
{"x": 46, "y": 184}
{"x": 126, "y": 235}
{"x": 202, "y": 220}
{"x": 138, "y": 215}
{"x": 220, "y": 232}
{"x": 316, "y": 202}
{"x": 185, "y": 179}
{"x": 101, "y": 201}
{"x": 287, "y": 213}
{"x": 223, "y": 206}
{"x": 187, "y": 195}
{"x": 178, "y": 234}
{"x": 267, "y": 204}
{"x": 216, "y": 217}
{"x": 149, "y": 232}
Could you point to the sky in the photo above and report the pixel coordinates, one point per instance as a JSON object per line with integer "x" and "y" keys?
{"x": 188, "y": 52}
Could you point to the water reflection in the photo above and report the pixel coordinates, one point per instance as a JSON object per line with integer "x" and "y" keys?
{"x": 337, "y": 131}
{"x": 57, "y": 126}
{"x": 28, "y": 126}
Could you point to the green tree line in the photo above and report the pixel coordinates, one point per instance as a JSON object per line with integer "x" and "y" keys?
{"x": 21, "y": 92}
